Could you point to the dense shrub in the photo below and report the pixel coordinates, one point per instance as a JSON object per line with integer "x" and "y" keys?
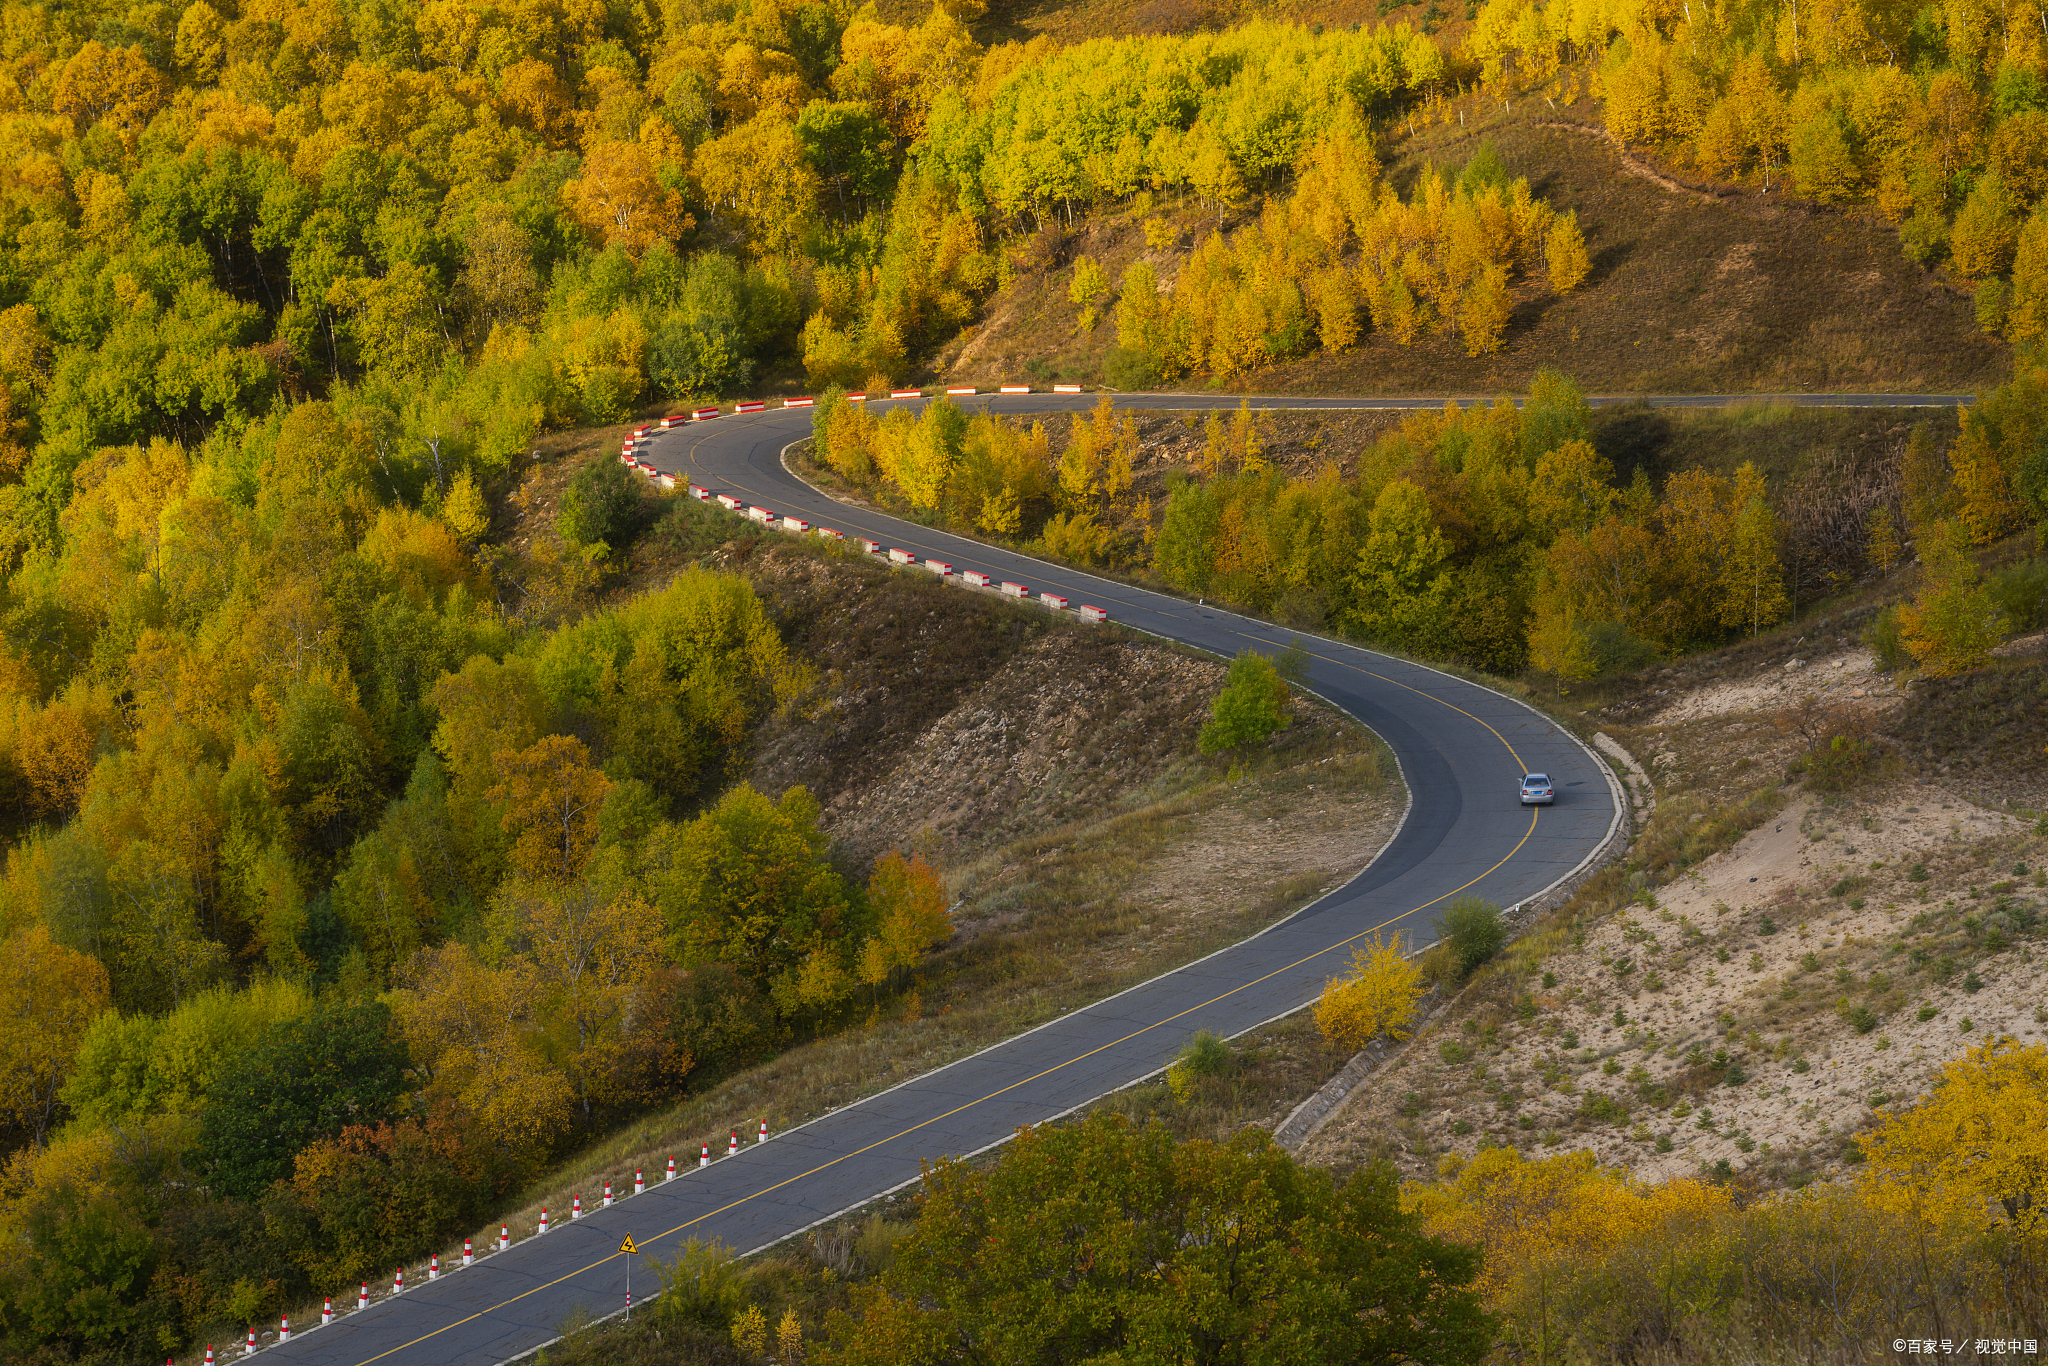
{"x": 1474, "y": 931}
{"x": 604, "y": 506}
{"x": 1250, "y": 708}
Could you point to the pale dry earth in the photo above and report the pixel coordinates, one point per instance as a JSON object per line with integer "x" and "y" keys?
{"x": 1896, "y": 899}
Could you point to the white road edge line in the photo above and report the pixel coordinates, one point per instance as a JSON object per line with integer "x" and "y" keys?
{"x": 1613, "y": 825}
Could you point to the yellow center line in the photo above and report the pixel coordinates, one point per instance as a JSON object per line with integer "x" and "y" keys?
{"x": 1036, "y": 1076}
{"x": 1355, "y": 668}
{"x": 969, "y": 1105}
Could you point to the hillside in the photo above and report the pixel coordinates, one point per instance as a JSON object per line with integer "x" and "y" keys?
{"x": 1738, "y": 291}
{"x": 1745, "y": 1000}
{"x": 413, "y": 819}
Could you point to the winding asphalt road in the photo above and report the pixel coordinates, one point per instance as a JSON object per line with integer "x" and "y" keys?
{"x": 1461, "y": 748}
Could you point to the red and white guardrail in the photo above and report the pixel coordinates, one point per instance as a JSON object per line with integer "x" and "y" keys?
{"x": 970, "y": 578}
{"x": 470, "y": 1257}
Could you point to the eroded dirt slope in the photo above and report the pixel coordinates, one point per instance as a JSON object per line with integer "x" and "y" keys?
{"x": 1758, "y": 1007}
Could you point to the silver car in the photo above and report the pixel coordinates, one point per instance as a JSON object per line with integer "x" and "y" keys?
{"x": 1536, "y": 790}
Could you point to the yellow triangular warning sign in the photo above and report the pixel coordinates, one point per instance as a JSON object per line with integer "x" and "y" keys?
{"x": 628, "y": 1246}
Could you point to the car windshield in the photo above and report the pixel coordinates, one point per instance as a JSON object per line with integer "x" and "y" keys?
{"x": 1536, "y": 780}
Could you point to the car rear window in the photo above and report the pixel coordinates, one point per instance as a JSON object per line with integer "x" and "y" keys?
{"x": 1535, "y": 779}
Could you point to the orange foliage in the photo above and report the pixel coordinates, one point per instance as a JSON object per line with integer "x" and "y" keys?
{"x": 552, "y": 795}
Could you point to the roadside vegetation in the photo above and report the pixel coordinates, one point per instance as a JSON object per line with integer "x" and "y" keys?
{"x": 317, "y": 968}
{"x": 409, "y": 822}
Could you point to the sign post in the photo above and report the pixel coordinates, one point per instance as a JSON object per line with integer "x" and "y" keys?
{"x": 629, "y": 1247}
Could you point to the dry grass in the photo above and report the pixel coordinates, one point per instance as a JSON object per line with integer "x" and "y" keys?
{"x": 1748, "y": 293}
{"x": 1053, "y": 921}
{"x": 1689, "y": 294}
{"x": 1267, "y": 1071}
{"x": 1746, "y": 987}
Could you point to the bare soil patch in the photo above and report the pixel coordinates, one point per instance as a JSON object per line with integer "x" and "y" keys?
{"x": 1729, "y": 292}
{"x": 1049, "y": 771}
{"x": 1757, "y": 1008}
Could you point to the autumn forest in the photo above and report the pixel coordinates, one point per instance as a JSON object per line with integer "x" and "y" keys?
{"x": 363, "y": 859}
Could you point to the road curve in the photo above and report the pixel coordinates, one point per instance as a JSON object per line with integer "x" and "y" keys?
{"x": 1460, "y": 746}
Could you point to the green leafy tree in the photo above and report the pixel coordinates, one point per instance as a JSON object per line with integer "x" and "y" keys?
{"x": 603, "y": 506}
{"x": 748, "y": 884}
{"x": 1474, "y": 932}
{"x": 80, "y": 1278}
{"x": 1251, "y": 707}
{"x": 1101, "y": 1241}
{"x": 301, "y": 1082}
{"x": 1953, "y": 623}
{"x": 1400, "y": 592}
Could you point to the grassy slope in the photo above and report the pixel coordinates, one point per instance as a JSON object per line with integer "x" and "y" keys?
{"x": 1091, "y": 851}
{"x": 1747, "y": 293}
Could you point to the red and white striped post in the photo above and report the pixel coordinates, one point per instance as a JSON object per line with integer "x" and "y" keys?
{"x": 398, "y": 1282}
{"x": 607, "y": 1193}
{"x": 733, "y": 1146}
{"x": 363, "y": 1296}
{"x": 543, "y": 1220}
{"x": 576, "y": 1209}
{"x": 705, "y": 1159}
{"x": 434, "y": 1268}
{"x": 671, "y": 1168}
{"x": 764, "y": 1132}
{"x": 504, "y": 1237}
{"x": 250, "y": 1350}
{"x": 284, "y": 1327}
{"x": 327, "y": 1312}
{"x": 639, "y": 1181}
{"x": 468, "y": 1252}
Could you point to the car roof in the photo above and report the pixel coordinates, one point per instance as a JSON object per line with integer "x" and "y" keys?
{"x": 1536, "y": 778}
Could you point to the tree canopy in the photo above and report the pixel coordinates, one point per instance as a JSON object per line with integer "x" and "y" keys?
{"x": 1103, "y": 1239}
